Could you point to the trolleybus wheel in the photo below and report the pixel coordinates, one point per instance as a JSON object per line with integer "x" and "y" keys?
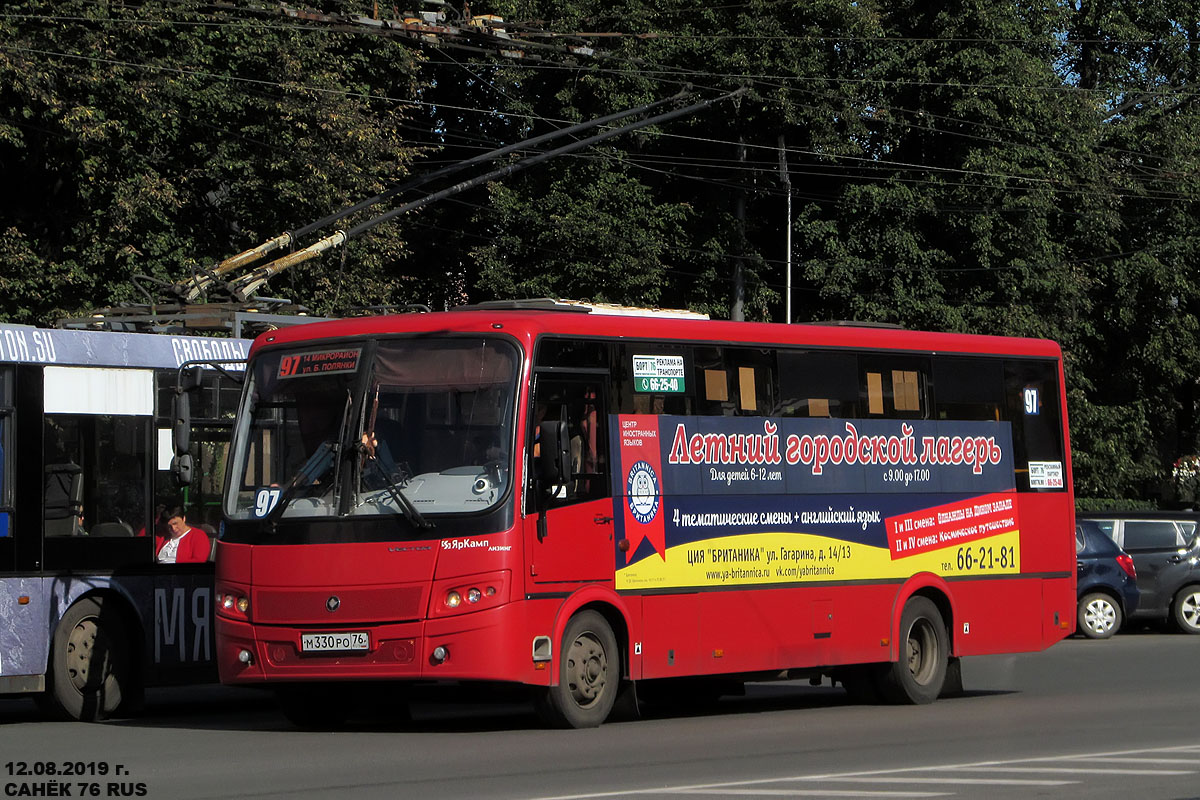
{"x": 1099, "y": 616}
{"x": 1187, "y": 609}
{"x": 89, "y": 664}
{"x": 918, "y": 676}
{"x": 588, "y": 675}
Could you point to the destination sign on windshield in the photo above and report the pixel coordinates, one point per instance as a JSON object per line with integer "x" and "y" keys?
{"x": 323, "y": 362}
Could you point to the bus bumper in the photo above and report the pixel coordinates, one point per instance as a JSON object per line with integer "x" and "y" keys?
{"x": 493, "y": 644}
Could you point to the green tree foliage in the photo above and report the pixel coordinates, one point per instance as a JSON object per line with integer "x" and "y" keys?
{"x": 1137, "y": 357}
{"x": 714, "y": 173}
{"x": 158, "y": 137}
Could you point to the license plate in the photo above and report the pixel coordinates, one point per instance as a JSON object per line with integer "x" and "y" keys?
{"x": 330, "y": 642}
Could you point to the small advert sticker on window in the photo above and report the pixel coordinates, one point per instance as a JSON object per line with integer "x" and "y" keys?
{"x": 1045, "y": 475}
{"x": 658, "y": 374}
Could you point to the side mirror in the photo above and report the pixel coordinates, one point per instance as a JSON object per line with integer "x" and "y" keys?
{"x": 181, "y": 438}
{"x": 554, "y": 453}
{"x": 186, "y": 382}
{"x": 189, "y": 379}
{"x": 181, "y": 433}
{"x": 182, "y": 467}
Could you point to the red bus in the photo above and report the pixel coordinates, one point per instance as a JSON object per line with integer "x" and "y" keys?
{"x": 592, "y": 503}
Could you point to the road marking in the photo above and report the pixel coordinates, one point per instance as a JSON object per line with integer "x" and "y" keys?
{"x": 900, "y": 775}
{"x": 910, "y": 778}
{"x": 1070, "y": 770}
{"x": 1185, "y": 762}
{"x": 807, "y": 793}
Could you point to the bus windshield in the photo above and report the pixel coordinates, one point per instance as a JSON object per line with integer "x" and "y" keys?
{"x": 409, "y": 427}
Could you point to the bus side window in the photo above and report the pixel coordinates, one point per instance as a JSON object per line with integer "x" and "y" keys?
{"x": 579, "y": 403}
{"x": 817, "y": 384}
{"x": 1031, "y": 388}
{"x": 63, "y": 499}
{"x": 95, "y": 476}
{"x": 968, "y": 388}
{"x": 895, "y": 387}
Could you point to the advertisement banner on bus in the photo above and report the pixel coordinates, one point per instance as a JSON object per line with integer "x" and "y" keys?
{"x": 720, "y": 501}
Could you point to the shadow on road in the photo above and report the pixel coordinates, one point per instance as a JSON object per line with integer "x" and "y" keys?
{"x": 440, "y": 709}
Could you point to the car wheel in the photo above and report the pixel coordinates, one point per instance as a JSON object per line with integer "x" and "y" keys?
{"x": 1187, "y": 609}
{"x": 1099, "y": 616}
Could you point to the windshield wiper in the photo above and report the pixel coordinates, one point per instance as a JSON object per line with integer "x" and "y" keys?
{"x": 327, "y": 456}
{"x": 406, "y": 506}
{"x": 310, "y": 473}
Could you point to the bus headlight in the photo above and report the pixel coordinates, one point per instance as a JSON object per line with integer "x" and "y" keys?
{"x": 470, "y": 593}
{"x": 233, "y": 603}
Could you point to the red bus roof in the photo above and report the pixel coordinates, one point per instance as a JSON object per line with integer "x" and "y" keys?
{"x": 528, "y": 324}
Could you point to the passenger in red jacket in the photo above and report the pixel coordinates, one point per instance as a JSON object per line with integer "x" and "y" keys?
{"x": 183, "y": 544}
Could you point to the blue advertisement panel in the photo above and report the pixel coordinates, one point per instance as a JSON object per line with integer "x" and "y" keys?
{"x": 24, "y": 344}
{"x": 733, "y": 501}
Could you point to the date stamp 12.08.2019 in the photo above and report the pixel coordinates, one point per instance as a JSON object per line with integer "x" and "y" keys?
{"x": 70, "y": 779}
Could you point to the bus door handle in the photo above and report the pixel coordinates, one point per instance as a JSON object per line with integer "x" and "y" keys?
{"x": 600, "y": 519}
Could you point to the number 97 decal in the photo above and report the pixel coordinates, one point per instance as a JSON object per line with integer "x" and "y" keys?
{"x": 1032, "y": 399}
{"x": 264, "y": 501}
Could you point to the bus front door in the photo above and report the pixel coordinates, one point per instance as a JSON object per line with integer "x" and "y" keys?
{"x": 576, "y": 541}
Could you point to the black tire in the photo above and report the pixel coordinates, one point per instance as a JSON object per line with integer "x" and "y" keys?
{"x": 1099, "y": 616}
{"x": 918, "y": 676}
{"x": 90, "y": 664}
{"x": 589, "y": 676}
{"x": 1186, "y": 609}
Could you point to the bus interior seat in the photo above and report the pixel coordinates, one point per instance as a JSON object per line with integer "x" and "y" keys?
{"x": 63, "y": 499}
{"x": 211, "y": 533}
{"x": 111, "y": 529}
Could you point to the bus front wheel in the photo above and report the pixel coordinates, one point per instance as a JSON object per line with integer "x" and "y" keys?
{"x": 588, "y": 675}
{"x": 918, "y": 676}
{"x": 89, "y": 664}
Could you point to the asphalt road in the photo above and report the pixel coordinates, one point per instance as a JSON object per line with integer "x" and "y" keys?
{"x": 1089, "y": 719}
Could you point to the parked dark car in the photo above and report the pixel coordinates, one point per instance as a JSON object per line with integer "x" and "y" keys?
{"x": 1166, "y": 552}
{"x": 1107, "y": 582}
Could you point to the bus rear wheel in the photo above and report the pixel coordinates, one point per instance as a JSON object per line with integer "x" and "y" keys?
{"x": 89, "y": 671}
{"x": 918, "y": 676}
{"x": 588, "y": 675}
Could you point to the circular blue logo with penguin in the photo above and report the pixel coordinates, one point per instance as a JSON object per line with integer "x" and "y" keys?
{"x": 641, "y": 492}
